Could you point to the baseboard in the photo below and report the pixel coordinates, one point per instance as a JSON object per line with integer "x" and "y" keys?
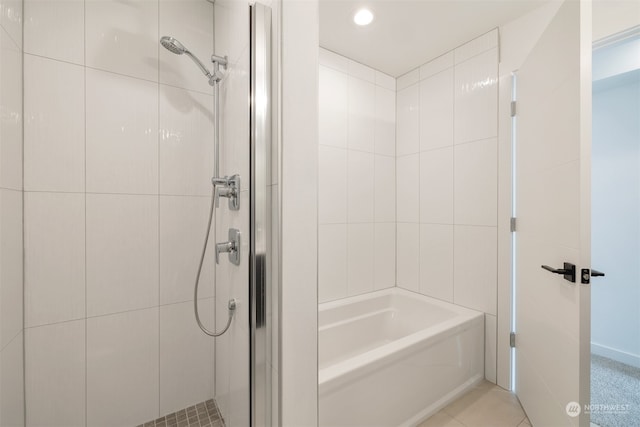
{"x": 615, "y": 354}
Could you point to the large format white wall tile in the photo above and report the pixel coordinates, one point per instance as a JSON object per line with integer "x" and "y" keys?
{"x": 122, "y": 368}
{"x": 436, "y": 186}
{"x": 11, "y": 308}
{"x": 437, "y": 65}
{"x": 122, "y": 253}
{"x": 332, "y": 262}
{"x": 12, "y": 380}
{"x": 476, "y": 46}
{"x": 436, "y": 111}
{"x": 360, "y": 258}
{"x": 55, "y": 374}
{"x": 55, "y": 29}
{"x": 234, "y": 120}
{"x": 361, "y": 71}
{"x": 360, "y": 186}
{"x": 408, "y": 79}
{"x": 385, "y": 189}
{"x": 332, "y": 116}
{"x": 11, "y": 19}
{"x": 186, "y": 356}
{"x": 190, "y": 22}
{"x": 183, "y": 224}
{"x": 332, "y": 185}
{"x": 436, "y": 261}
{"x": 476, "y": 98}
{"x": 385, "y": 122}
{"x": 361, "y": 115}
{"x": 54, "y": 242}
{"x": 11, "y": 145}
{"x": 385, "y": 81}
{"x": 122, "y": 37}
{"x": 475, "y": 267}
{"x": 333, "y": 60}
{"x": 54, "y": 125}
{"x": 384, "y": 258}
{"x": 408, "y": 121}
{"x": 122, "y": 134}
{"x": 407, "y": 188}
{"x": 476, "y": 183}
{"x": 186, "y": 142}
{"x": 408, "y": 256}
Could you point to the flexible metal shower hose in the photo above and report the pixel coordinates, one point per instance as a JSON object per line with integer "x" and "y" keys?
{"x": 232, "y": 304}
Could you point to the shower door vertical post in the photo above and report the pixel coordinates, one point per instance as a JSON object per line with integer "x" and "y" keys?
{"x": 260, "y": 211}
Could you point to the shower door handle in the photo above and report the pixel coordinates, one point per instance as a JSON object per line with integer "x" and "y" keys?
{"x": 569, "y": 271}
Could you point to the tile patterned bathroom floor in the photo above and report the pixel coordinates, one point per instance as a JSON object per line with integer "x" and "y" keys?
{"x": 205, "y": 414}
{"x": 486, "y": 405}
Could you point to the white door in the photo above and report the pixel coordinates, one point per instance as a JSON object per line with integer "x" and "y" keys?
{"x": 553, "y": 142}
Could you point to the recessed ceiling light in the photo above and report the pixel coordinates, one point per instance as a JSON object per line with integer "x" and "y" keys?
{"x": 363, "y": 17}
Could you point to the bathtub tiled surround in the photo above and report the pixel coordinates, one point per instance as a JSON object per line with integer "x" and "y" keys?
{"x": 117, "y": 165}
{"x": 357, "y": 173}
{"x": 11, "y": 216}
{"x": 447, "y": 180}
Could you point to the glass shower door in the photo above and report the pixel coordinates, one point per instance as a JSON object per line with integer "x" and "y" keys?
{"x": 242, "y": 371}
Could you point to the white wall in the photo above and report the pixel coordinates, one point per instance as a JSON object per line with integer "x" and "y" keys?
{"x": 447, "y": 180}
{"x": 11, "y": 197}
{"x": 299, "y": 210}
{"x": 118, "y": 157}
{"x": 615, "y": 322}
{"x": 357, "y": 175}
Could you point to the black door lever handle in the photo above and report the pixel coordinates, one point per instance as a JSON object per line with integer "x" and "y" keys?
{"x": 569, "y": 271}
{"x": 588, "y": 274}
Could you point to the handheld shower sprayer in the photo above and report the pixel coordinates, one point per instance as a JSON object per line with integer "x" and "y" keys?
{"x": 174, "y": 46}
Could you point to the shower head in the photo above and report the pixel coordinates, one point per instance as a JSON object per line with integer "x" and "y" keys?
{"x": 174, "y": 46}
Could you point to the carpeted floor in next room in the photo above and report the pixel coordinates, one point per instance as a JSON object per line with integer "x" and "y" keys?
{"x": 614, "y": 383}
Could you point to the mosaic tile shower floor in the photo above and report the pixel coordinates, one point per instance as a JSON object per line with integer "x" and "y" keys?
{"x": 204, "y": 414}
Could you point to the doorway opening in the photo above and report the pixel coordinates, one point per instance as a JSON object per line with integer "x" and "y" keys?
{"x": 615, "y": 302}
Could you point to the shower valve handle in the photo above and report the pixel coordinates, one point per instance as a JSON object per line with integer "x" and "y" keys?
{"x": 232, "y": 247}
{"x": 228, "y": 187}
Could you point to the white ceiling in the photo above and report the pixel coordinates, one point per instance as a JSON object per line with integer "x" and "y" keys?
{"x": 408, "y": 33}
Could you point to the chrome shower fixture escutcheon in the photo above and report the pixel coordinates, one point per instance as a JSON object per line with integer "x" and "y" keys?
{"x": 232, "y": 247}
{"x": 228, "y": 187}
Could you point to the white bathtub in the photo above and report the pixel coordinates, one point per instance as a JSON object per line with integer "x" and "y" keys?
{"x": 394, "y": 357}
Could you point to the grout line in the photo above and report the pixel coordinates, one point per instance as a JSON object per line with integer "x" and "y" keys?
{"x": 23, "y": 255}
{"x": 158, "y": 163}
{"x": 86, "y": 322}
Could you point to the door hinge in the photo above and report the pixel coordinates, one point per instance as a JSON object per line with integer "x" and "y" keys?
{"x": 512, "y": 340}
{"x": 512, "y": 225}
{"x": 513, "y": 108}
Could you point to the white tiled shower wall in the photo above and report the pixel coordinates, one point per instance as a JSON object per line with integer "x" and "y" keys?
{"x": 438, "y": 146}
{"x": 447, "y": 181}
{"x": 11, "y": 195}
{"x": 357, "y": 175}
{"x": 118, "y": 158}
{"x": 232, "y": 349}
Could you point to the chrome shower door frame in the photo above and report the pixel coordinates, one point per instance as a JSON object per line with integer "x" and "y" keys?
{"x": 260, "y": 286}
